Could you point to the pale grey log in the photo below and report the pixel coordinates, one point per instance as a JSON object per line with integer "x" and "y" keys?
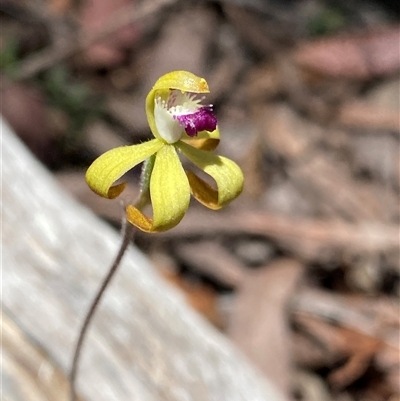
{"x": 145, "y": 343}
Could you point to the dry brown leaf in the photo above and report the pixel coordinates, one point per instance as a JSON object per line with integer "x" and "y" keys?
{"x": 362, "y": 115}
{"x": 362, "y": 349}
{"x": 305, "y": 237}
{"x": 259, "y": 324}
{"x": 359, "y": 56}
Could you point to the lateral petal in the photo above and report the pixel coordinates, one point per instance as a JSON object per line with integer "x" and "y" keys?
{"x": 112, "y": 165}
{"x": 139, "y": 219}
{"x": 203, "y": 192}
{"x": 226, "y": 173}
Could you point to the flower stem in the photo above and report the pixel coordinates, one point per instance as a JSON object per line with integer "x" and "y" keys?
{"x": 127, "y": 236}
{"x": 147, "y": 169}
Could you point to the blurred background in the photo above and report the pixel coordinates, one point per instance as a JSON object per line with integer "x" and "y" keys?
{"x": 302, "y": 271}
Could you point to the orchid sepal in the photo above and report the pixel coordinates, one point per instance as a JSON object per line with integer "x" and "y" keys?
{"x": 169, "y": 192}
{"x": 183, "y": 81}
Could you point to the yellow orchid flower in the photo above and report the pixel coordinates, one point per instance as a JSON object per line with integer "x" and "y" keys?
{"x": 179, "y": 123}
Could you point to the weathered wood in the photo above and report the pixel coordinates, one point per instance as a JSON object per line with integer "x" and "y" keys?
{"x": 145, "y": 343}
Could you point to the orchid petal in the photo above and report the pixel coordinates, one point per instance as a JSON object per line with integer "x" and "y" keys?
{"x": 112, "y": 165}
{"x": 202, "y": 191}
{"x": 226, "y": 173}
{"x": 139, "y": 219}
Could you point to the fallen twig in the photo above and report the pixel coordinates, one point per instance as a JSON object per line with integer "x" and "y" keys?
{"x": 307, "y": 237}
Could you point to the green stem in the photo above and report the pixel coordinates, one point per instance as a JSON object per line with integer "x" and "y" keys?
{"x": 144, "y": 196}
{"x": 127, "y": 236}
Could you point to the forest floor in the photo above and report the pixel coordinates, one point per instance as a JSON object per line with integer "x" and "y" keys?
{"x": 302, "y": 271}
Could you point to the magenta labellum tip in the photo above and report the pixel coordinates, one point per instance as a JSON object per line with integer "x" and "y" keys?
{"x": 202, "y": 120}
